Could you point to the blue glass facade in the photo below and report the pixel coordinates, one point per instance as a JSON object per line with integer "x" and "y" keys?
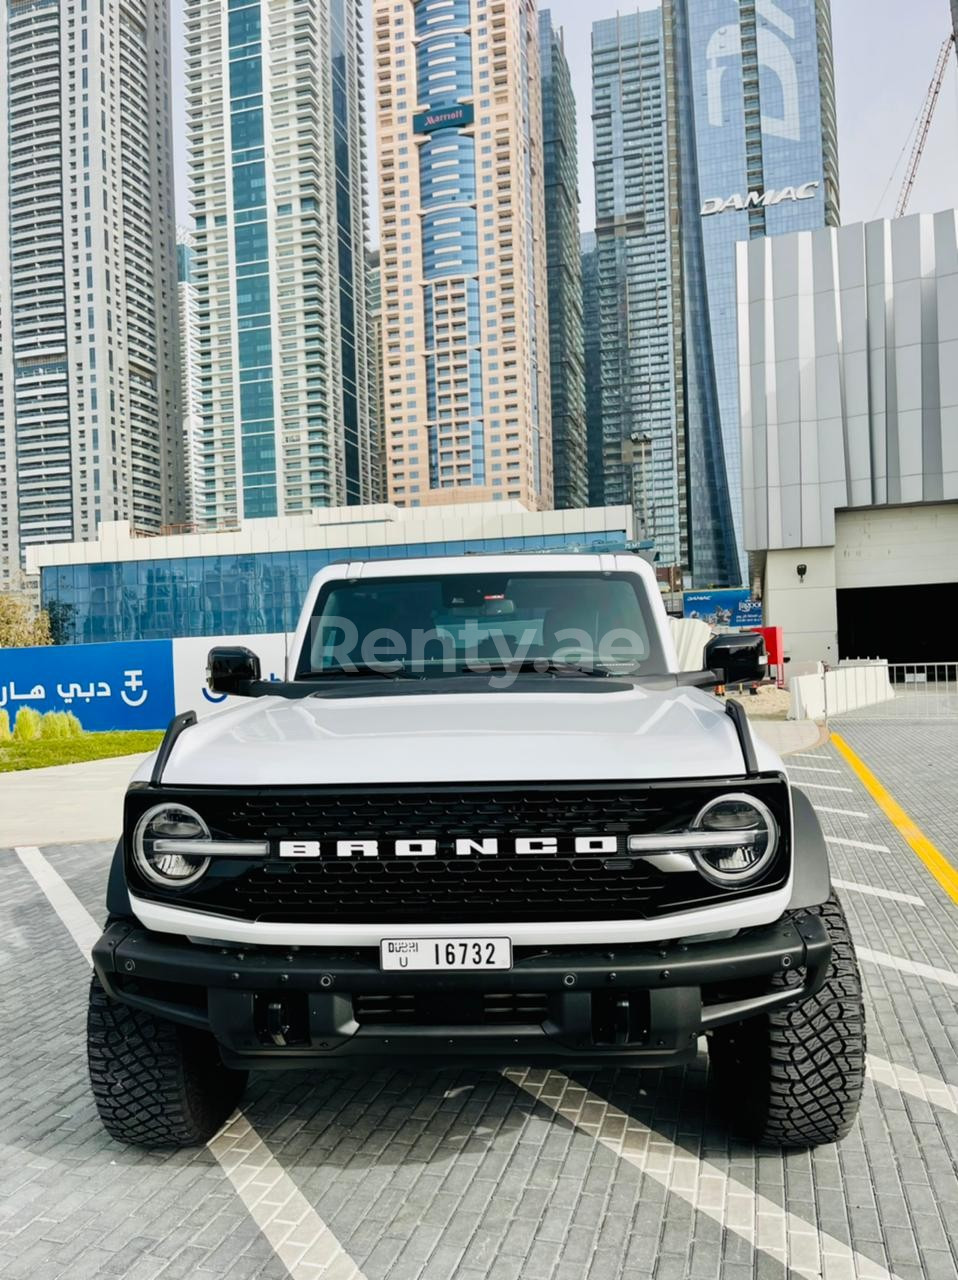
{"x": 712, "y": 552}
{"x": 764, "y": 111}
{"x": 635, "y": 273}
{"x": 233, "y": 594}
{"x": 254, "y": 338}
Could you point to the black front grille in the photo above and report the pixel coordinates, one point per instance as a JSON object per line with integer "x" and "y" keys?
{"x": 450, "y": 888}
{"x": 460, "y": 1009}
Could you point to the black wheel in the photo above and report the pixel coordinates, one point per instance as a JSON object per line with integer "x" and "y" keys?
{"x": 794, "y": 1077}
{"x": 156, "y": 1084}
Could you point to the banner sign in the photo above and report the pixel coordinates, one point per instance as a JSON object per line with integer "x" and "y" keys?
{"x": 140, "y": 684}
{"x": 723, "y": 608}
{"x": 455, "y": 116}
{"x": 106, "y": 686}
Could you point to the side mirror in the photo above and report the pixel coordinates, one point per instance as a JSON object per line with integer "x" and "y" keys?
{"x": 739, "y": 658}
{"x": 230, "y": 668}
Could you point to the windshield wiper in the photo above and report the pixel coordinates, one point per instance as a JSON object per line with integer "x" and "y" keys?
{"x": 542, "y": 666}
{"x": 359, "y": 669}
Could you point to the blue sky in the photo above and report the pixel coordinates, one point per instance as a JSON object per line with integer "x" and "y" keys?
{"x": 885, "y": 52}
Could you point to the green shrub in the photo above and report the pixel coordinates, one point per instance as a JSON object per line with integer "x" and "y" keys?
{"x": 27, "y": 726}
{"x": 74, "y": 729}
{"x": 55, "y": 725}
{"x": 5, "y": 734}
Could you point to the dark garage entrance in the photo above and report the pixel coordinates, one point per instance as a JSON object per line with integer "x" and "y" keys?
{"x": 900, "y": 624}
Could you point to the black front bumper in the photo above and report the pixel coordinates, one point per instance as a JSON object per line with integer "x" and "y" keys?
{"x": 638, "y": 1005}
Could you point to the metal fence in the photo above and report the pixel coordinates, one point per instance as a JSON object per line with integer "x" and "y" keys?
{"x": 909, "y": 691}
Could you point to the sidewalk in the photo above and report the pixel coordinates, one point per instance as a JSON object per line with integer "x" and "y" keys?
{"x": 67, "y": 804}
{"x": 785, "y": 736}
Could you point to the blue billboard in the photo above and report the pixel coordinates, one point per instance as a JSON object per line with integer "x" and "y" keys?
{"x": 723, "y": 608}
{"x": 106, "y": 686}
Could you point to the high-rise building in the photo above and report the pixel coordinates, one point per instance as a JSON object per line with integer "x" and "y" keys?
{"x": 374, "y": 312}
{"x": 639, "y": 454}
{"x": 465, "y": 325}
{"x": 276, "y": 134}
{"x": 714, "y": 121}
{"x": 713, "y": 559}
{"x": 592, "y": 352}
{"x": 190, "y": 402}
{"x": 564, "y": 262}
{"x": 88, "y": 394}
{"x": 766, "y": 144}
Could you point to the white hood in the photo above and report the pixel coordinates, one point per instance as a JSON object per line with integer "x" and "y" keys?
{"x": 505, "y": 736}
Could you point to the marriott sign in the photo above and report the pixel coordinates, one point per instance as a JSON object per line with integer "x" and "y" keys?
{"x": 759, "y": 199}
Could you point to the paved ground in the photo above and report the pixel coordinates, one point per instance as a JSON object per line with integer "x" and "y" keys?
{"x": 483, "y": 1177}
{"x": 65, "y": 802}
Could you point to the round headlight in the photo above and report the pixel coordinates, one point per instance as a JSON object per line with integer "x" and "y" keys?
{"x": 154, "y": 840}
{"x": 751, "y": 840}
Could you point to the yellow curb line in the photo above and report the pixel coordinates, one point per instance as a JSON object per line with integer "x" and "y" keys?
{"x": 933, "y": 858}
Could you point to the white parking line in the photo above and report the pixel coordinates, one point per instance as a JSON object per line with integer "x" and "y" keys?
{"x": 810, "y": 768}
{"x": 793, "y": 1242}
{"x": 810, "y": 755}
{"x": 947, "y": 976}
{"x": 845, "y": 813}
{"x": 299, "y": 1236}
{"x": 905, "y": 1080}
{"x": 826, "y": 786}
{"x": 879, "y": 893}
{"x": 859, "y": 844}
{"x": 83, "y": 929}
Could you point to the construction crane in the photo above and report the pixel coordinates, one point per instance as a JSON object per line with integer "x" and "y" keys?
{"x": 924, "y": 124}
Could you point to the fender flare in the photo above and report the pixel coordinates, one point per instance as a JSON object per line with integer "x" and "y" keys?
{"x": 117, "y": 894}
{"x": 811, "y": 877}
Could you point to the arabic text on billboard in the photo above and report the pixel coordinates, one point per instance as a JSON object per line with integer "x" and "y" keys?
{"x": 723, "y": 608}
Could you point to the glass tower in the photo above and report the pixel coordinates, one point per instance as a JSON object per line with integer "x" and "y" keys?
{"x": 277, "y": 158}
{"x": 639, "y": 454}
{"x": 763, "y": 104}
{"x": 592, "y": 351}
{"x": 566, "y": 358}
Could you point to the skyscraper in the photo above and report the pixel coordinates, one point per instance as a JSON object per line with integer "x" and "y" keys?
{"x": 592, "y": 352}
{"x": 714, "y": 121}
{"x": 88, "y": 394}
{"x": 639, "y": 455}
{"x": 190, "y": 401}
{"x": 277, "y": 157}
{"x": 463, "y": 251}
{"x": 374, "y": 311}
{"x": 564, "y": 261}
{"x": 766, "y": 142}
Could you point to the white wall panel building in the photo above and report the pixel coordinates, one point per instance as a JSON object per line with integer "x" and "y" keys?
{"x": 848, "y": 351}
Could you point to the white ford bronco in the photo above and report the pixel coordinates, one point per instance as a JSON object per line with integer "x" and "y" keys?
{"x": 484, "y": 820}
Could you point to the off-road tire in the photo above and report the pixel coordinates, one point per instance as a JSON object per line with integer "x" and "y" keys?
{"x": 793, "y": 1078}
{"x": 155, "y": 1083}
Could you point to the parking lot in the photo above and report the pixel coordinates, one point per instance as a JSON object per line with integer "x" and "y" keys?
{"x": 527, "y": 1174}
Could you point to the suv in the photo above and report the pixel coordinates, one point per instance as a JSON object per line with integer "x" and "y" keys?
{"x": 485, "y": 820}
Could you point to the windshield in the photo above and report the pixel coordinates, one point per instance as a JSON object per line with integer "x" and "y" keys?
{"x": 481, "y": 622}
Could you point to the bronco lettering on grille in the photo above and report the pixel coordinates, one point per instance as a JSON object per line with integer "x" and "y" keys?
{"x": 487, "y": 846}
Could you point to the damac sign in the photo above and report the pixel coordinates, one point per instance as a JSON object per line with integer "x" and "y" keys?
{"x": 759, "y": 199}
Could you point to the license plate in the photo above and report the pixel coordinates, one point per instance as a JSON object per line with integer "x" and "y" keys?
{"x": 446, "y": 953}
